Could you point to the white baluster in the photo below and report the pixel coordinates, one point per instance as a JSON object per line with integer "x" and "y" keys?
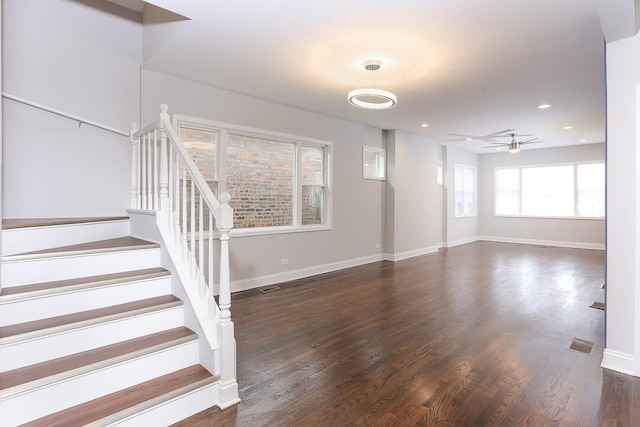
{"x": 143, "y": 171}
{"x": 134, "y": 194}
{"x": 210, "y": 272}
{"x": 163, "y": 172}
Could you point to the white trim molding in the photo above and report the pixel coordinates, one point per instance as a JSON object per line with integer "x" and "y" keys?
{"x": 618, "y": 361}
{"x": 410, "y": 254}
{"x": 287, "y": 276}
{"x": 555, "y": 243}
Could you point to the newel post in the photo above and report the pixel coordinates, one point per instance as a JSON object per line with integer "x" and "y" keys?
{"x": 134, "y": 192}
{"x": 163, "y": 178}
{"x": 228, "y": 390}
{"x": 224, "y": 223}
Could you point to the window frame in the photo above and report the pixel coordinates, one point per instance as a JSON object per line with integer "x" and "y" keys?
{"x": 224, "y": 129}
{"x": 380, "y": 152}
{"x": 475, "y": 191}
{"x": 575, "y": 166}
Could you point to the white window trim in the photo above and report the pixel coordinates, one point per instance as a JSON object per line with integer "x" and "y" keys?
{"x": 573, "y": 218}
{"x": 366, "y": 149}
{"x": 225, "y": 128}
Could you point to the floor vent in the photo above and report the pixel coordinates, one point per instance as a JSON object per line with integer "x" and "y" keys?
{"x": 597, "y": 304}
{"x": 269, "y": 289}
{"x": 583, "y": 346}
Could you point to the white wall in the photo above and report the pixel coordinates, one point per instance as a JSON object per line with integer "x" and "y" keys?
{"x": 413, "y": 197}
{"x": 82, "y": 58}
{"x": 581, "y": 233}
{"x": 357, "y": 203}
{"x": 459, "y": 230}
{"x": 622, "y": 351}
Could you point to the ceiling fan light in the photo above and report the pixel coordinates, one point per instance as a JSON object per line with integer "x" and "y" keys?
{"x": 514, "y": 147}
{"x": 372, "y": 99}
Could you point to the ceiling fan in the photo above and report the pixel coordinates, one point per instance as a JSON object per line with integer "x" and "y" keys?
{"x": 514, "y": 146}
{"x": 486, "y": 138}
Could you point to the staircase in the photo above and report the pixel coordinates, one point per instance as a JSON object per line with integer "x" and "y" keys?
{"x": 91, "y": 330}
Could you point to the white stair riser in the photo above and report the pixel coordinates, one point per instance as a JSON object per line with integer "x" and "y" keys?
{"x": 12, "y": 312}
{"x": 174, "y": 410}
{"x": 45, "y": 400}
{"x": 20, "y": 240}
{"x": 23, "y": 272}
{"x": 36, "y": 350}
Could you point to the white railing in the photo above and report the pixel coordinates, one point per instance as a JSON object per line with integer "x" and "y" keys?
{"x": 78, "y": 119}
{"x": 166, "y": 180}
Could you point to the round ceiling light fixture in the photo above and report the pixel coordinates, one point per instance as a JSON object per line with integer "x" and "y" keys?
{"x": 372, "y": 98}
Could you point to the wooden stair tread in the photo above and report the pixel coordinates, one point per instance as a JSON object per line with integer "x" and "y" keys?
{"x": 122, "y": 400}
{"x": 9, "y": 224}
{"x": 86, "y": 281}
{"x": 58, "y": 366}
{"x": 126, "y": 242}
{"x": 84, "y": 316}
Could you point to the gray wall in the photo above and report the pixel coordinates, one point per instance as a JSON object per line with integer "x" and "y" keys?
{"x": 356, "y": 236}
{"x": 81, "y": 58}
{"x": 413, "y": 197}
{"x": 585, "y": 233}
{"x": 623, "y": 217}
{"x": 459, "y": 230}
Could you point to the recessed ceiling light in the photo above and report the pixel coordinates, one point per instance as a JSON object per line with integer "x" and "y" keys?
{"x": 468, "y": 139}
{"x": 544, "y": 106}
{"x": 424, "y": 125}
{"x": 567, "y": 127}
{"x": 583, "y": 140}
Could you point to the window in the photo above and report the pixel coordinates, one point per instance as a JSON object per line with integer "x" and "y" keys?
{"x": 566, "y": 191}
{"x": 277, "y": 182}
{"x": 373, "y": 163}
{"x": 465, "y": 191}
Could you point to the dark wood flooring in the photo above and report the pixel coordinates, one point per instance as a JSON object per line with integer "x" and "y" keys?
{"x": 476, "y": 335}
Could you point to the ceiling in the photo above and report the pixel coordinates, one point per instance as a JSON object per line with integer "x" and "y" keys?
{"x": 467, "y": 68}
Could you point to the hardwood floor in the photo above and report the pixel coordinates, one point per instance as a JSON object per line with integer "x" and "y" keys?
{"x": 476, "y": 335}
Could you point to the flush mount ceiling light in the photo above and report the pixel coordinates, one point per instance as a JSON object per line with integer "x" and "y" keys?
{"x": 372, "y": 98}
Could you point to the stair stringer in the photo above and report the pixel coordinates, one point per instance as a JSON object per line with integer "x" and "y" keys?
{"x": 149, "y": 225}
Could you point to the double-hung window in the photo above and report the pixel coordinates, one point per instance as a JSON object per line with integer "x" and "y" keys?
{"x": 277, "y": 183}
{"x": 465, "y": 191}
{"x": 562, "y": 191}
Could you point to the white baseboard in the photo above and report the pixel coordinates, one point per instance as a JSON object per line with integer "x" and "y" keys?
{"x": 452, "y": 243}
{"x": 410, "y": 254}
{"x": 257, "y": 282}
{"x": 554, "y": 243}
{"x": 618, "y": 361}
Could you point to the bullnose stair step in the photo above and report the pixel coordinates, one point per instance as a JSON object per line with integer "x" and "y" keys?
{"x": 36, "y": 328}
{"x": 124, "y": 403}
{"x": 101, "y": 246}
{"x": 50, "y": 288}
{"x": 29, "y": 377}
{"x": 11, "y": 224}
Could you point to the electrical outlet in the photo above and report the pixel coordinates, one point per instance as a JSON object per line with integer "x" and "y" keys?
{"x": 526, "y": 233}
{"x": 377, "y": 245}
{"x": 284, "y": 261}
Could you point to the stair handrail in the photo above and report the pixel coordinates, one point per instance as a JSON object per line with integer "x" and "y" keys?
{"x": 158, "y": 161}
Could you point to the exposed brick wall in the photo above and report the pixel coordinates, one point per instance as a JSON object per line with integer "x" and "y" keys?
{"x": 260, "y": 180}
